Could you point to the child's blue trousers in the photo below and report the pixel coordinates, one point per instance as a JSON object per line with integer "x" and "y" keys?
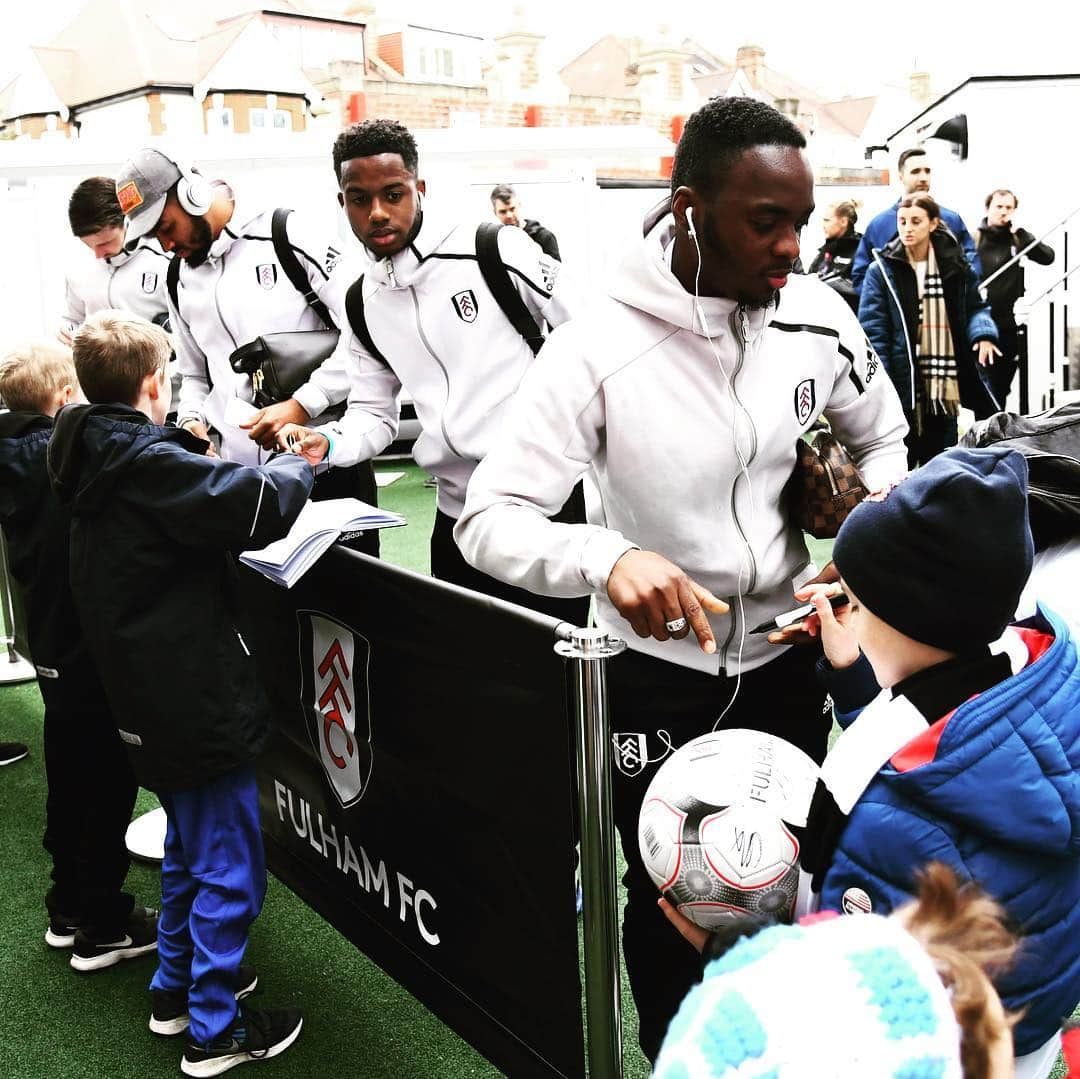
{"x": 213, "y": 880}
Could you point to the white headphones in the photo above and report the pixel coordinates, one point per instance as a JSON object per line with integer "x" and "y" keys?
{"x": 690, "y": 223}
{"x": 194, "y": 194}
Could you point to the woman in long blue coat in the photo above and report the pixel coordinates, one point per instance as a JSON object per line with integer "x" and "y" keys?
{"x": 920, "y": 307}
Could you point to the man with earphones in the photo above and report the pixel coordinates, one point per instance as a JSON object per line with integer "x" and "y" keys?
{"x": 683, "y": 393}
{"x": 229, "y": 287}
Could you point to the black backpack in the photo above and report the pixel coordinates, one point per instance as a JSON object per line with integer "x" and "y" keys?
{"x": 496, "y": 277}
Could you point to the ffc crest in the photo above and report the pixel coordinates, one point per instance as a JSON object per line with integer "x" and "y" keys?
{"x": 334, "y": 662}
{"x": 805, "y": 400}
{"x": 631, "y": 753}
{"x": 149, "y": 282}
{"x": 465, "y": 305}
{"x": 266, "y": 275}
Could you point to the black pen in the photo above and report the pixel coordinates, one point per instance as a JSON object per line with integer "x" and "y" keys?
{"x": 790, "y": 617}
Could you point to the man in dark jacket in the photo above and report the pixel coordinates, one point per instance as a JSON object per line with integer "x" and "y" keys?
{"x": 504, "y": 202}
{"x": 155, "y": 523}
{"x": 91, "y": 788}
{"x": 998, "y": 240}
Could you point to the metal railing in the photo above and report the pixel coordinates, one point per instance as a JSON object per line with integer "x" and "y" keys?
{"x": 1058, "y": 365}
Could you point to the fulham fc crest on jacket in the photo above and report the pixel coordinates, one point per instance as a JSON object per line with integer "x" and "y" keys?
{"x": 805, "y": 400}
{"x": 337, "y": 706}
{"x": 266, "y": 275}
{"x": 149, "y": 283}
{"x": 465, "y": 305}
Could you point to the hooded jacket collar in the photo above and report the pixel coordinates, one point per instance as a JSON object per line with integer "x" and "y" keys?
{"x": 18, "y": 424}
{"x": 243, "y": 217}
{"x": 947, "y": 249}
{"x": 404, "y": 268}
{"x": 93, "y": 445}
{"x": 644, "y": 280}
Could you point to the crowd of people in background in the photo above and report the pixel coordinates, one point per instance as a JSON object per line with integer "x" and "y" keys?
{"x": 915, "y": 280}
{"x": 702, "y": 367}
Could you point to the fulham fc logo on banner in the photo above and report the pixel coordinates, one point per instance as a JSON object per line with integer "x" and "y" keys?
{"x": 465, "y": 305}
{"x": 266, "y": 275}
{"x": 805, "y": 400}
{"x": 334, "y": 693}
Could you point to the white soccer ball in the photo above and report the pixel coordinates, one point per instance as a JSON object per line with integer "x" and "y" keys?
{"x": 716, "y": 827}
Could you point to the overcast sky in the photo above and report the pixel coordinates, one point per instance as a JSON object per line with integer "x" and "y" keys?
{"x": 836, "y": 48}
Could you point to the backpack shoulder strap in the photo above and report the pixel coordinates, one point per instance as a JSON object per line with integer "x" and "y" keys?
{"x": 354, "y": 311}
{"x": 172, "y": 281}
{"x": 293, "y": 270}
{"x": 497, "y": 278}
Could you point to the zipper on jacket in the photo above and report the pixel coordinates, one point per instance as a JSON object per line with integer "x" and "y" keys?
{"x": 390, "y": 271}
{"x": 442, "y": 367}
{"x": 242, "y": 644}
{"x": 217, "y": 307}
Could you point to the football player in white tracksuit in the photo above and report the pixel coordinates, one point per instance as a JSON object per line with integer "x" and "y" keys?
{"x": 128, "y": 280}
{"x": 232, "y": 289}
{"x": 684, "y": 394}
{"x": 438, "y": 331}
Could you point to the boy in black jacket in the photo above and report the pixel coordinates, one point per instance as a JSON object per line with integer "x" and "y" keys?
{"x": 91, "y": 788}
{"x": 155, "y": 524}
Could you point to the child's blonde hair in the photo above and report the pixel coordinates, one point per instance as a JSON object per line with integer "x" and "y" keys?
{"x": 31, "y": 373}
{"x": 965, "y": 933}
{"x": 114, "y": 352}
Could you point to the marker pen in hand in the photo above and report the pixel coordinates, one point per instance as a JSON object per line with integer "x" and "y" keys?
{"x": 781, "y": 621}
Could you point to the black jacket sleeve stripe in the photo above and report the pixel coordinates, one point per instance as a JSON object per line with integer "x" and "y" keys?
{"x": 824, "y": 331}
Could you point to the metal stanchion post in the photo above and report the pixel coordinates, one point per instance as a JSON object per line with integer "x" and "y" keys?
{"x": 1020, "y": 313}
{"x": 590, "y": 650}
{"x": 14, "y": 668}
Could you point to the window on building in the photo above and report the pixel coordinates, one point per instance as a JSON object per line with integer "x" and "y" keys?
{"x": 421, "y": 60}
{"x": 444, "y": 63}
{"x": 220, "y": 119}
{"x": 270, "y": 119}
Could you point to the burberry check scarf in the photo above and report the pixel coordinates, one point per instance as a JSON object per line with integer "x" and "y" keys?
{"x": 939, "y": 384}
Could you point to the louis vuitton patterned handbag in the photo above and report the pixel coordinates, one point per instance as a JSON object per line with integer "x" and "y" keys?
{"x": 825, "y": 486}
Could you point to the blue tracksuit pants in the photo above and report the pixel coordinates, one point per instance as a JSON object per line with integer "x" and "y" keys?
{"x": 213, "y": 880}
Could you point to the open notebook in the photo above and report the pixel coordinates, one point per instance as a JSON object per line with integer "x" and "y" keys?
{"x": 314, "y": 531}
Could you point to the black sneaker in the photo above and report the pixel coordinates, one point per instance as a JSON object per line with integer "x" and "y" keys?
{"x": 252, "y": 1036}
{"x": 140, "y": 937}
{"x": 10, "y": 752}
{"x": 62, "y": 930}
{"x": 169, "y": 1010}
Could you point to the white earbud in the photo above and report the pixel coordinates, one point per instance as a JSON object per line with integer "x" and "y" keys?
{"x": 690, "y": 221}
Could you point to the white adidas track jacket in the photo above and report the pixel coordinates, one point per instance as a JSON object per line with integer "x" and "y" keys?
{"x": 446, "y": 341}
{"x": 132, "y": 282}
{"x": 241, "y": 292}
{"x": 632, "y": 391}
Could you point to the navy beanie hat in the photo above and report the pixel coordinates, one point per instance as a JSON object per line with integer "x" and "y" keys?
{"x": 944, "y": 556}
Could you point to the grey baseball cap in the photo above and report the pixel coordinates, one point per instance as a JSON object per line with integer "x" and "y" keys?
{"x": 142, "y": 185}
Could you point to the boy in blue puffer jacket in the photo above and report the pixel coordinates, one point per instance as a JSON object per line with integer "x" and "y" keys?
{"x": 977, "y": 723}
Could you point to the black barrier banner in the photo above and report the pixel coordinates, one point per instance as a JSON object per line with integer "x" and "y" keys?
{"x": 418, "y": 795}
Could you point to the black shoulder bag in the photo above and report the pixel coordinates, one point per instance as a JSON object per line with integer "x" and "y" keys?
{"x": 280, "y": 363}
